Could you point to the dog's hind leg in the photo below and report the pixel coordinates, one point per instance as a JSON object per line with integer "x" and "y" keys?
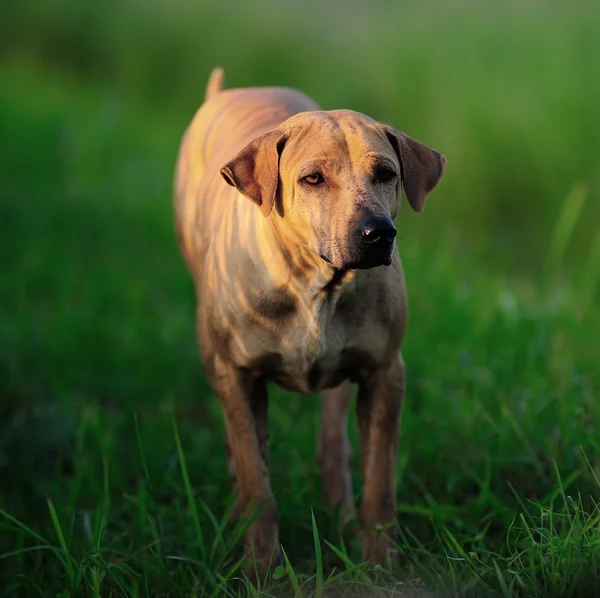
{"x": 334, "y": 450}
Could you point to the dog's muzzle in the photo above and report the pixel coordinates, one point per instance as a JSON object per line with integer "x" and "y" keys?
{"x": 369, "y": 244}
{"x": 377, "y": 236}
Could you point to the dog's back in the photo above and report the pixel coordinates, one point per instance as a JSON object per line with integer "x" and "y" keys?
{"x": 224, "y": 124}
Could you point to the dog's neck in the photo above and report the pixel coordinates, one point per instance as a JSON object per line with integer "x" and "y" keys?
{"x": 297, "y": 265}
{"x": 337, "y": 280}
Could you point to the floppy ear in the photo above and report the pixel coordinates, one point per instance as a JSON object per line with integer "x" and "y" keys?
{"x": 422, "y": 167}
{"x": 254, "y": 172}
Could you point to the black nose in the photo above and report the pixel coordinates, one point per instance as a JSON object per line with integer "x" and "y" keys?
{"x": 378, "y": 230}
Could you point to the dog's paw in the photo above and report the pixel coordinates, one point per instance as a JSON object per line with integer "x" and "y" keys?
{"x": 381, "y": 550}
{"x": 262, "y": 552}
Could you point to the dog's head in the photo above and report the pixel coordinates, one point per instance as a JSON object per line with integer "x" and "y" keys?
{"x": 335, "y": 180}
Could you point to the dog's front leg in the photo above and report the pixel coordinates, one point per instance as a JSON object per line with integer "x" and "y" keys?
{"x": 245, "y": 400}
{"x": 379, "y": 407}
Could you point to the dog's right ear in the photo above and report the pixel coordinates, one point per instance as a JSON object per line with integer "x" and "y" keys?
{"x": 254, "y": 172}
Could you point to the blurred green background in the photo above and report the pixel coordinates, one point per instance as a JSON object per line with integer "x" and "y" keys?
{"x": 508, "y": 90}
{"x": 96, "y": 308}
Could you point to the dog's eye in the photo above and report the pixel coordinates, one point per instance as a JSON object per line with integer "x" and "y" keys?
{"x": 314, "y": 179}
{"x": 383, "y": 174}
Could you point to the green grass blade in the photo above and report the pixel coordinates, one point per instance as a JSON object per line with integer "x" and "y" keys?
{"x": 351, "y": 567}
{"x": 61, "y": 540}
{"x": 563, "y": 231}
{"x": 291, "y": 574}
{"x": 96, "y": 582}
{"x": 318, "y": 557}
{"x": 219, "y": 540}
{"x": 188, "y": 489}
{"x": 227, "y": 577}
{"x": 138, "y": 439}
{"x": 501, "y": 580}
{"x": 22, "y": 526}
{"x": 592, "y": 274}
{"x": 32, "y": 584}
{"x": 20, "y": 551}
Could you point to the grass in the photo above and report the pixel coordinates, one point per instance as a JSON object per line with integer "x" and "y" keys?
{"x": 112, "y": 471}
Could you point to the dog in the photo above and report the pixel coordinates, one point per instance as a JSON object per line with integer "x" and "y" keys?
{"x": 284, "y": 215}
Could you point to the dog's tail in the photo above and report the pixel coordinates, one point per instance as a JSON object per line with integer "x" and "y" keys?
{"x": 215, "y": 83}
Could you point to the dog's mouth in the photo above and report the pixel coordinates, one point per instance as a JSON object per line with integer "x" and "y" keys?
{"x": 360, "y": 251}
{"x": 364, "y": 263}
{"x": 326, "y": 259}
{"x": 370, "y": 263}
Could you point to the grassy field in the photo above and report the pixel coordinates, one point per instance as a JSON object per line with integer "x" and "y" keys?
{"x": 112, "y": 473}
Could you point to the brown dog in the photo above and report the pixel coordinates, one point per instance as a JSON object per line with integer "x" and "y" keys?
{"x": 301, "y": 284}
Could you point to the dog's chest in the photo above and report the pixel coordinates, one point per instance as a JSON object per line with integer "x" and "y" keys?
{"x": 307, "y": 346}
{"x": 312, "y": 343}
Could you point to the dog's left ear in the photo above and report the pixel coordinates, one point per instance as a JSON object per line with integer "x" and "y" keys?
{"x": 422, "y": 167}
{"x": 254, "y": 172}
